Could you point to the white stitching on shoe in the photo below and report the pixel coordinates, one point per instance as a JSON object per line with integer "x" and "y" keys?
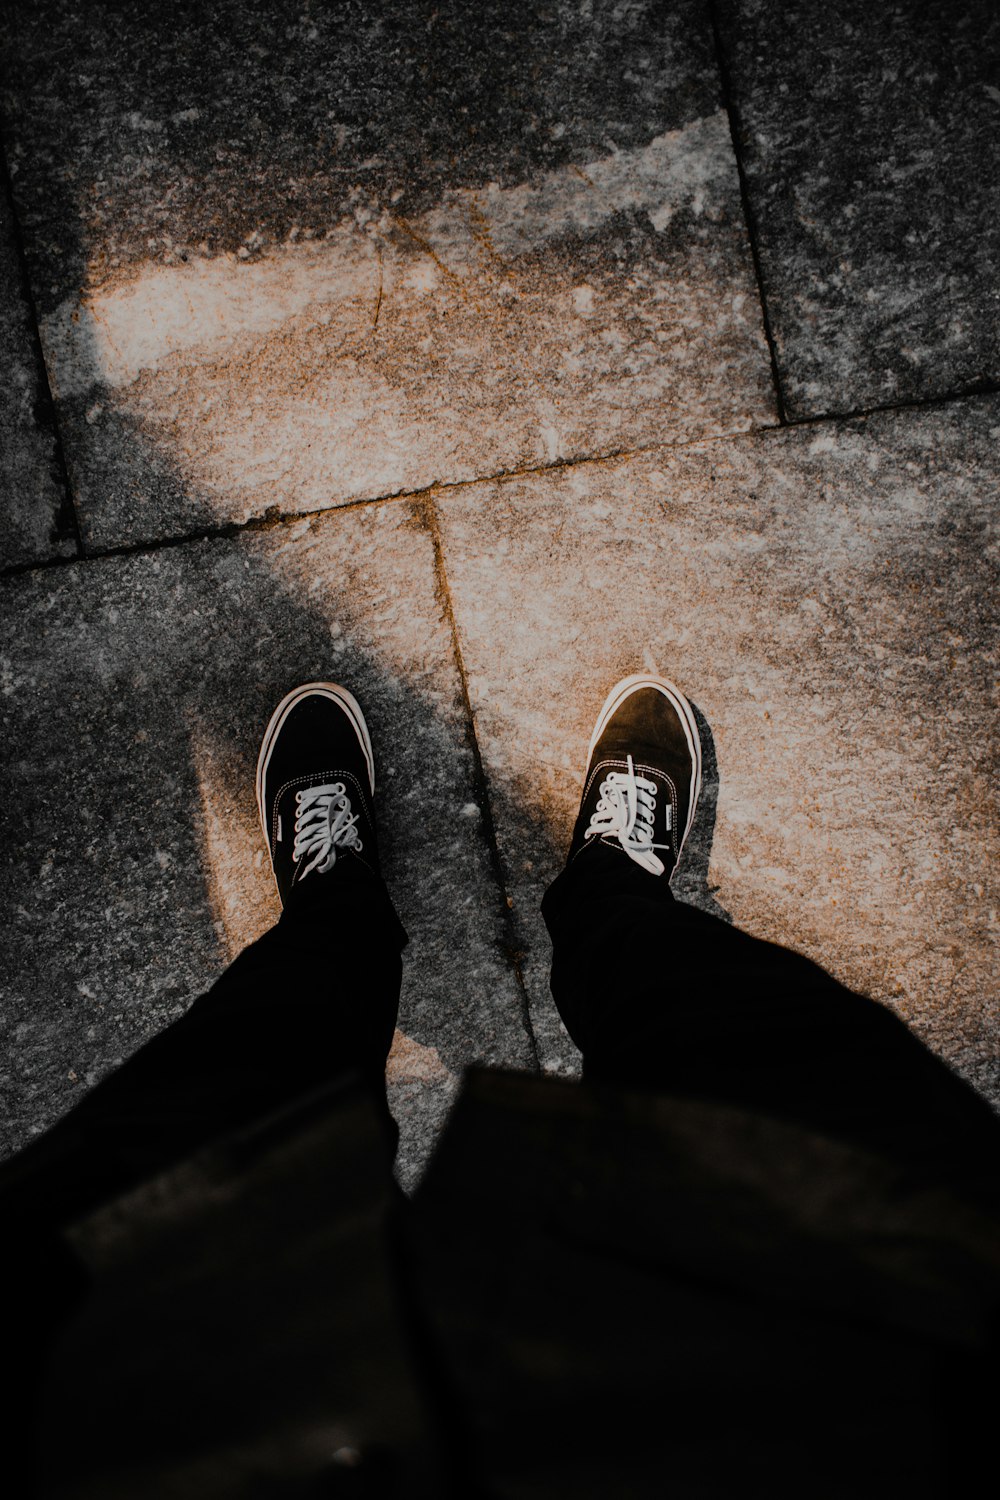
{"x": 625, "y": 811}
{"x": 324, "y": 823}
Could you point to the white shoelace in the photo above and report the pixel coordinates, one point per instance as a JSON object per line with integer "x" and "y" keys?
{"x": 324, "y": 823}
{"x": 625, "y": 811}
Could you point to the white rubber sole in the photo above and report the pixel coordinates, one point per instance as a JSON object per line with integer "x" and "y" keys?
{"x": 685, "y": 713}
{"x": 344, "y": 700}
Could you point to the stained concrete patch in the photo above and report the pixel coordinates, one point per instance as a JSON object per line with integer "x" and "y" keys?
{"x": 289, "y": 289}
{"x": 135, "y": 692}
{"x": 826, "y": 596}
{"x": 33, "y": 526}
{"x": 871, "y": 144}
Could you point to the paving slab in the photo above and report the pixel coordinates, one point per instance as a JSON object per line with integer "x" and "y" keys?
{"x": 826, "y": 596}
{"x": 307, "y": 257}
{"x": 870, "y": 138}
{"x": 135, "y": 691}
{"x": 34, "y": 524}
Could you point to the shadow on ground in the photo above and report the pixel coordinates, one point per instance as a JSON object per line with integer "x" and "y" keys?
{"x": 139, "y": 686}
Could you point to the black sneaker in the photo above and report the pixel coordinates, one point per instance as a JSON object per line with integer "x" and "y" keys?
{"x": 315, "y": 785}
{"x": 643, "y": 775}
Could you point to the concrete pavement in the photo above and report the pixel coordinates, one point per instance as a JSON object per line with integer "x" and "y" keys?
{"x": 474, "y": 357}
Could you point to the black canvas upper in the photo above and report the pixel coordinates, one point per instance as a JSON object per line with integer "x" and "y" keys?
{"x": 317, "y": 745}
{"x": 646, "y": 727}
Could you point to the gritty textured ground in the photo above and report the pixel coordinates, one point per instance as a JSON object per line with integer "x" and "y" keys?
{"x": 459, "y": 353}
{"x": 35, "y": 521}
{"x": 534, "y": 268}
{"x": 870, "y": 139}
{"x": 803, "y": 588}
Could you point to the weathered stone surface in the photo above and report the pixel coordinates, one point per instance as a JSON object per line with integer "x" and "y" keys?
{"x": 135, "y": 692}
{"x": 313, "y": 259}
{"x": 871, "y": 144}
{"x": 826, "y": 596}
{"x": 32, "y": 525}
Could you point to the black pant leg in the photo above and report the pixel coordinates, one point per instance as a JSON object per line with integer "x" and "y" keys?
{"x": 657, "y": 994}
{"x": 315, "y": 997}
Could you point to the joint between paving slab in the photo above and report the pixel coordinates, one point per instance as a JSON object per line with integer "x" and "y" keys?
{"x": 970, "y": 392}
{"x": 480, "y": 783}
{"x": 67, "y": 521}
{"x": 748, "y": 213}
{"x": 272, "y": 519}
{"x": 269, "y": 521}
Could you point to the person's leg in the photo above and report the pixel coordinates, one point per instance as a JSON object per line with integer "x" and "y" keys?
{"x": 660, "y": 995}
{"x": 315, "y": 997}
